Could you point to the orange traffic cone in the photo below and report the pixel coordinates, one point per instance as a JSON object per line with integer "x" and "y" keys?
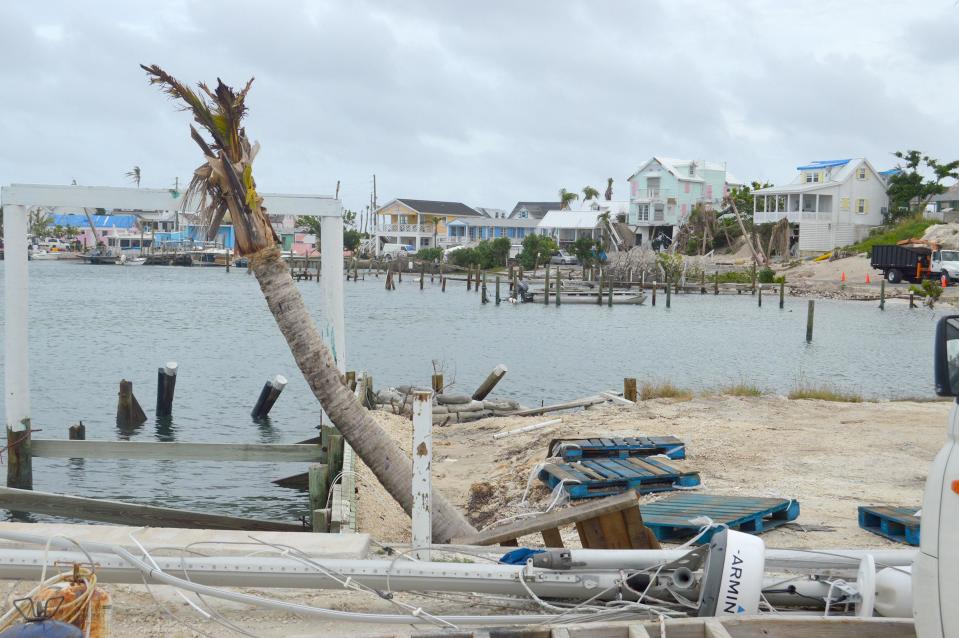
{"x": 843, "y": 276}
{"x": 945, "y": 281}
{"x": 868, "y": 281}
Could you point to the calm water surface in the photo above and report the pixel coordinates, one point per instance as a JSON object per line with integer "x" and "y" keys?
{"x": 92, "y": 326}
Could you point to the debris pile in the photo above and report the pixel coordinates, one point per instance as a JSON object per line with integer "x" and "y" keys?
{"x": 447, "y": 408}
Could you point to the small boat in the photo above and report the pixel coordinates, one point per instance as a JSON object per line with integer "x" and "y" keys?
{"x": 101, "y": 257}
{"x": 132, "y": 261}
{"x": 627, "y": 298}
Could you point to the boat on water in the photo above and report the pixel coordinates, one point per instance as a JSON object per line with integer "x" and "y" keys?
{"x": 101, "y": 257}
{"x": 132, "y": 261}
{"x": 586, "y": 297}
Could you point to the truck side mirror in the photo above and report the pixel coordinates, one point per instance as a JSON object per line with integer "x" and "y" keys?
{"x": 947, "y": 356}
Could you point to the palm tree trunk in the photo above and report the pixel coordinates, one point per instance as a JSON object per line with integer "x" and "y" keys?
{"x": 374, "y": 446}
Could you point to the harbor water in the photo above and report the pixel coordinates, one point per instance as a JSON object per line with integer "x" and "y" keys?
{"x": 91, "y": 326}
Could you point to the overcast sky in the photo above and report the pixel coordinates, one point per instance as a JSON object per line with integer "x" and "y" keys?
{"x": 481, "y": 102}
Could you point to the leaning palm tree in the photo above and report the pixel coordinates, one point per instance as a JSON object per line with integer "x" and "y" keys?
{"x": 134, "y": 175}
{"x": 590, "y": 193}
{"x": 609, "y": 189}
{"x": 566, "y": 198}
{"x": 224, "y": 183}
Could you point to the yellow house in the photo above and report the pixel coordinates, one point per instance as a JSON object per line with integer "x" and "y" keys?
{"x": 417, "y": 223}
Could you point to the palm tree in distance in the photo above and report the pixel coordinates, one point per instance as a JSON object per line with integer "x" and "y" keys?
{"x": 134, "y": 175}
{"x": 566, "y": 198}
{"x": 609, "y": 188}
{"x": 224, "y": 183}
{"x": 590, "y": 193}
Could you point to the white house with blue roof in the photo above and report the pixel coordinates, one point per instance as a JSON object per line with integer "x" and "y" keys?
{"x": 829, "y": 203}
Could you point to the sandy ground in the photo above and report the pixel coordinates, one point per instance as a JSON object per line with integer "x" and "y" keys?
{"x": 826, "y": 455}
{"x": 830, "y": 456}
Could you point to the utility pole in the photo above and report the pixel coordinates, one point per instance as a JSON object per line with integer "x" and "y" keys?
{"x": 337, "y": 196}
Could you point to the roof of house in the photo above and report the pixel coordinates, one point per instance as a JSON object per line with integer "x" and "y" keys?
{"x": 951, "y": 194}
{"x": 434, "y": 207}
{"x": 99, "y": 221}
{"x": 817, "y": 164}
{"x": 671, "y": 165}
{"x": 491, "y": 222}
{"x": 490, "y": 212}
{"x": 839, "y": 172}
{"x": 570, "y": 219}
{"x": 535, "y": 209}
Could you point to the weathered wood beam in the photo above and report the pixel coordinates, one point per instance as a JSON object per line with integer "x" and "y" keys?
{"x": 65, "y": 449}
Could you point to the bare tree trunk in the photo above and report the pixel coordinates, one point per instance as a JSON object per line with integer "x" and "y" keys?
{"x": 746, "y": 235}
{"x": 388, "y": 463}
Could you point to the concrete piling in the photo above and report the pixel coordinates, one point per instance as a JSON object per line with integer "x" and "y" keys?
{"x": 166, "y": 384}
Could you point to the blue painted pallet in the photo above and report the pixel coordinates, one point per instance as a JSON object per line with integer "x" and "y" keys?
{"x": 670, "y": 518}
{"x": 591, "y": 478}
{"x": 577, "y": 449}
{"x": 899, "y": 524}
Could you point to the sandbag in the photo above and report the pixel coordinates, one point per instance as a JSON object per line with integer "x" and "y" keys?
{"x": 452, "y": 399}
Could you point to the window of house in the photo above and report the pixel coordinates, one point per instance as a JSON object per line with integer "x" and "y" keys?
{"x": 523, "y": 214}
{"x": 843, "y": 203}
{"x": 686, "y": 186}
{"x": 692, "y": 170}
{"x": 861, "y": 206}
{"x": 812, "y": 177}
{"x": 861, "y": 172}
{"x": 643, "y": 212}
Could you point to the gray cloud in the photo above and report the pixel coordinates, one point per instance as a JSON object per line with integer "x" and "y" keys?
{"x": 481, "y": 102}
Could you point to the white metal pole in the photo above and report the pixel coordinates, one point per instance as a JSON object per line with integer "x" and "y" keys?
{"x": 331, "y": 257}
{"x": 16, "y": 378}
{"x": 422, "y": 523}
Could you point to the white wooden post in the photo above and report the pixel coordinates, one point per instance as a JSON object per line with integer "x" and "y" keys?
{"x": 422, "y": 482}
{"x": 16, "y": 378}
{"x": 331, "y": 257}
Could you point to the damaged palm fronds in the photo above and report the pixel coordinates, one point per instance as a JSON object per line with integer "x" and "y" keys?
{"x": 223, "y": 184}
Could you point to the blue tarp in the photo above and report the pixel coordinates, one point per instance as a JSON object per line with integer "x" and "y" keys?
{"x": 99, "y": 221}
{"x": 822, "y": 164}
{"x": 519, "y": 556}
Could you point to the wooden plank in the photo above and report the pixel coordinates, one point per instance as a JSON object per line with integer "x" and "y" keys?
{"x": 153, "y": 450}
{"x": 552, "y": 538}
{"x": 591, "y": 534}
{"x": 93, "y": 509}
{"x": 614, "y": 531}
{"x": 551, "y": 520}
{"x": 715, "y": 629}
{"x": 641, "y": 537}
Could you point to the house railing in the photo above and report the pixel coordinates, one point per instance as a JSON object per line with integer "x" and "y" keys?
{"x": 454, "y": 241}
{"x": 653, "y": 194}
{"x": 405, "y": 228}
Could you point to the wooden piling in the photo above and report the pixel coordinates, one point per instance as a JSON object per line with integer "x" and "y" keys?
{"x": 268, "y": 395}
{"x": 654, "y": 294}
{"x": 912, "y": 301}
{"x": 350, "y": 378}
{"x": 432, "y": 273}
{"x": 443, "y": 284}
{"x": 356, "y": 266}
{"x": 782, "y": 293}
{"x": 754, "y": 278}
{"x": 422, "y": 273}
{"x": 227, "y": 258}
{"x": 399, "y": 273}
{"x": 599, "y": 291}
{"x": 78, "y": 432}
{"x": 668, "y": 295}
{"x": 716, "y": 284}
{"x": 546, "y": 288}
{"x": 437, "y": 383}
{"x": 490, "y": 382}
{"x": 557, "y": 292}
{"x": 469, "y": 278}
{"x": 319, "y": 487}
{"x": 484, "y": 298}
{"x": 882, "y": 294}
{"x": 629, "y": 389}
{"x": 335, "y": 458}
{"x": 510, "y": 279}
{"x": 129, "y": 412}
{"x": 760, "y": 297}
{"x": 809, "y": 319}
{"x": 19, "y": 457}
{"x": 609, "y": 291}
{"x": 702, "y": 283}
{"x": 497, "y": 290}
{"x": 166, "y": 385}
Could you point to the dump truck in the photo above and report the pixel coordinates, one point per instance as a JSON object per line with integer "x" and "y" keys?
{"x": 914, "y": 260}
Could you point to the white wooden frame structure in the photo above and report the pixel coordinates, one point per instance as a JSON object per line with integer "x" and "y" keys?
{"x": 17, "y": 199}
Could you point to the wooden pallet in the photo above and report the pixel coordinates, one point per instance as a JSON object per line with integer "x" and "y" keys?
{"x": 898, "y": 524}
{"x": 590, "y": 478}
{"x": 670, "y": 518}
{"x": 577, "y": 449}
